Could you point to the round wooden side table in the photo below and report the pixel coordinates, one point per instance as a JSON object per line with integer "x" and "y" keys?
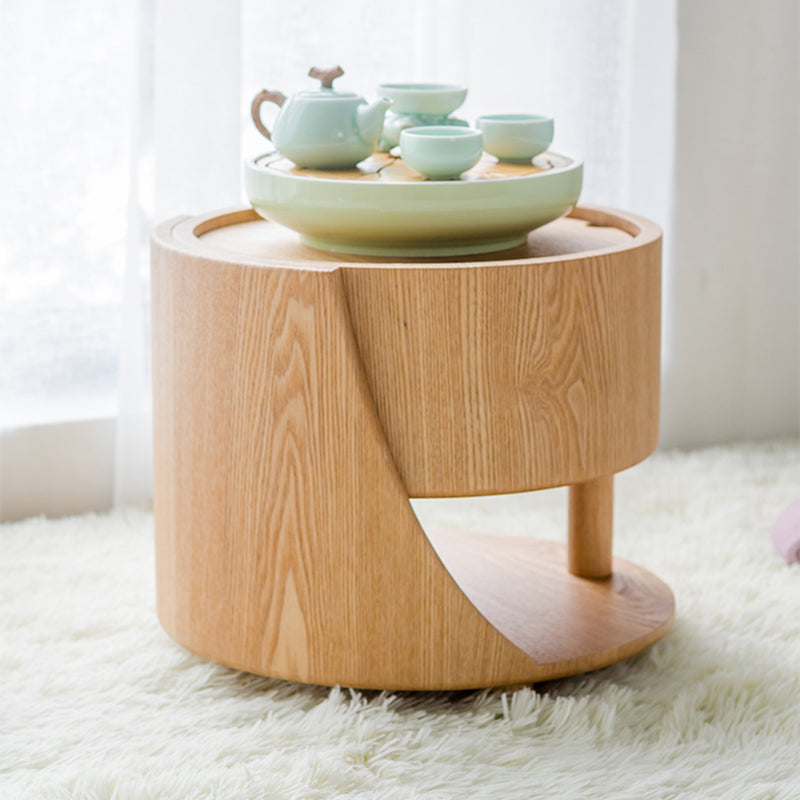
{"x": 302, "y": 397}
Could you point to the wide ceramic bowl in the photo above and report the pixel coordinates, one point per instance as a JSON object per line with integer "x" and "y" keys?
{"x": 382, "y": 209}
{"x": 436, "y": 99}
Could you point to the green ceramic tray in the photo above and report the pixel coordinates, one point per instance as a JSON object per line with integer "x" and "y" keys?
{"x": 382, "y": 207}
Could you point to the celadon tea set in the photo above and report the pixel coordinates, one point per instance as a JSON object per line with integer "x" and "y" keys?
{"x": 401, "y": 176}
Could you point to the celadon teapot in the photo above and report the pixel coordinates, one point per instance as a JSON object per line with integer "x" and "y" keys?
{"x": 323, "y": 129}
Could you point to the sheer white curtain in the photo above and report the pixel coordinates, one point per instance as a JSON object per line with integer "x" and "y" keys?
{"x": 186, "y": 158}
{"x": 137, "y": 111}
{"x": 67, "y": 69}
{"x": 733, "y": 282}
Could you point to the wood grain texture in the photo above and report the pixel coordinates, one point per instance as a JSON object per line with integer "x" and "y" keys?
{"x": 511, "y": 377}
{"x": 591, "y": 527}
{"x": 566, "y": 624}
{"x": 285, "y": 541}
{"x": 548, "y": 372}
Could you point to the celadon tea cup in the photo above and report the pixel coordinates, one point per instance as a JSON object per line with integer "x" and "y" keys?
{"x": 441, "y": 152}
{"x": 516, "y": 137}
{"x": 417, "y": 104}
{"x": 424, "y": 99}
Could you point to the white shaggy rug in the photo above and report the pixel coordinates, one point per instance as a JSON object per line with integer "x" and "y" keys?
{"x": 97, "y": 702}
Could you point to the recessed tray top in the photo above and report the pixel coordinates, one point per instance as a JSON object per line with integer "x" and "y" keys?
{"x": 383, "y": 207}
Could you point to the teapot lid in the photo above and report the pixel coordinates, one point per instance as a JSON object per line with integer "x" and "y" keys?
{"x": 326, "y": 90}
{"x": 325, "y": 93}
{"x": 326, "y": 78}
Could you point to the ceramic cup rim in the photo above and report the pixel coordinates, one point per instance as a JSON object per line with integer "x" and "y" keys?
{"x": 434, "y": 99}
{"x": 514, "y": 119}
{"x": 438, "y": 132}
{"x": 422, "y": 87}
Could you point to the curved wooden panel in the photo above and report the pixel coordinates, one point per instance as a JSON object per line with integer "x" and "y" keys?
{"x": 512, "y": 376}
{"x": 285, "y": 542}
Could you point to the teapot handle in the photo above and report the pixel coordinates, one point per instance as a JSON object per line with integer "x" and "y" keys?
{"x": 279, "y": 98}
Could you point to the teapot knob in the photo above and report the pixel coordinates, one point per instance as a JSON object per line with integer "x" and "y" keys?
{"x": 327, "y": 76}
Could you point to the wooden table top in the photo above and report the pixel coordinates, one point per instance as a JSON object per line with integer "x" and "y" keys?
{"x": 245, "y": 234}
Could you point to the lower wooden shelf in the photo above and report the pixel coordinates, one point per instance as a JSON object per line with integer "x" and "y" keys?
{"x": 565, "y": 623}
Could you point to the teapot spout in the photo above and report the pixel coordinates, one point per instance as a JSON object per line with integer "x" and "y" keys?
{"x": 369, "y": 120}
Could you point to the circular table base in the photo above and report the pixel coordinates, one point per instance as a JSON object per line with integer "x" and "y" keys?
{"x": 565, "y": 624}
{"x": 301, "y": 399}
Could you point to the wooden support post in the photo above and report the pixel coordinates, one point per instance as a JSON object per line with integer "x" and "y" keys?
{"x": 591, "y": 512}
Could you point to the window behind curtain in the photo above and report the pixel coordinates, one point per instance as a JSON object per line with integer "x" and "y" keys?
{"x": 78, "y": 94}
{"x": 65, "y": 107}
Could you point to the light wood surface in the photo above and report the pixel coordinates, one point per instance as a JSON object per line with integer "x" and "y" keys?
{"x": 505, "y": 378}
{"x": 567, "y": 625}
{"x": 299, "y": 401}
{"x": 391, "y": 168}
{"x": 266, "y": 244}
{"x": 576, "y": 391}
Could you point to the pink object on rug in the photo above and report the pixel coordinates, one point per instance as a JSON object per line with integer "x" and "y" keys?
{"x": 786, "y": 533}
